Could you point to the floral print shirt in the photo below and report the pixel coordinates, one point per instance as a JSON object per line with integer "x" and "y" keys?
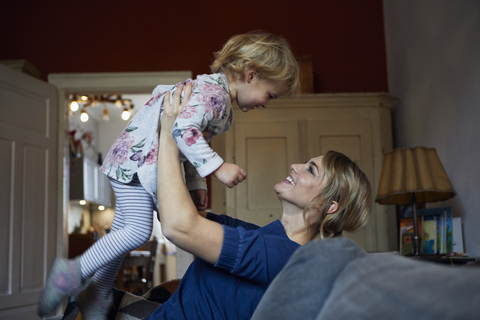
{"x": 208, "y": 113}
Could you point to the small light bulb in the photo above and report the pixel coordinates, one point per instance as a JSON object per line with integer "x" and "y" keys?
{"x": 125, "y": 114}
{"x": 84, "y": 116}
{"x": 101, "y": 208}
{"x": 74, "y": 105}
{"x": 84, "y": 98}
{"x": 105, "y": 115}
{"x": 118, "y": 102}
{"x": 83, "y": 202}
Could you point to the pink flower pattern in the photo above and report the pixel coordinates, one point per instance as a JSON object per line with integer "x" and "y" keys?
{"x": 153, "y": 99}
{"x": 190, "y": 136}
{"x": 214, "y": 99}
{"x": 187, "y": 112}
{"x": 152, "y": 155}
{"x": 119, "y": 152}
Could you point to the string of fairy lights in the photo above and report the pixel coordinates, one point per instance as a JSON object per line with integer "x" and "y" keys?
{"x": 82, "y": 102}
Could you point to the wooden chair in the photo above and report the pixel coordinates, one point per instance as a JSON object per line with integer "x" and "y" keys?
{"x": 136, "y": 272}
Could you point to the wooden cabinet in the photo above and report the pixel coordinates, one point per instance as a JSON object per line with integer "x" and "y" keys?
{"x": 78, "y": 243}
{"x": 266, "y": 142}
{"x": 89, "y": 183}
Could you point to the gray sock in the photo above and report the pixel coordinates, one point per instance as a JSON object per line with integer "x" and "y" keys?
{"x": 92, "y": 304}
{"x": 64, "y": 280}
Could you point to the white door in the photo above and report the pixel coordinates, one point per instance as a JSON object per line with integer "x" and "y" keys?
{"x": 28, "y": 190}
{"x": 354, "y": 139}
{"x": 266, "y": 152}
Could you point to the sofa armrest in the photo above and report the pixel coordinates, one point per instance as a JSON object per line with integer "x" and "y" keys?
{"x": 304, "y": 284}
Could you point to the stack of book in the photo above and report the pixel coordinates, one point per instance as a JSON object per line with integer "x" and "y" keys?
{"x": 436, "y": 229}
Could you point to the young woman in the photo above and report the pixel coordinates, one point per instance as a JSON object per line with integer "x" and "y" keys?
{"x": 236, "y": 261}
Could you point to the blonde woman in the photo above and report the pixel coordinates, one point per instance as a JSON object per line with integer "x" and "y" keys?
{"x": 236, "y": 261}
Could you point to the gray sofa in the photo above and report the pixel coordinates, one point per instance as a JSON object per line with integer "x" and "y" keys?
{"x": 336, "y": 279}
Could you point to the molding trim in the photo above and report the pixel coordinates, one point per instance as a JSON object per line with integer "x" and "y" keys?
{"x": 336, "y": 100}
{"x": 128, "y": 82}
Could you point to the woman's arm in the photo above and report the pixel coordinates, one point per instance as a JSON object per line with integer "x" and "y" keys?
{"x": 180, "y": 221}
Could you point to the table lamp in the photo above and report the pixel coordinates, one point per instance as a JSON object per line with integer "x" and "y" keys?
{"x": 411, "y": 176}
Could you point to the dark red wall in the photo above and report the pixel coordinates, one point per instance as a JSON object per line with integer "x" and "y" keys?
{"x": 344, "y": 37}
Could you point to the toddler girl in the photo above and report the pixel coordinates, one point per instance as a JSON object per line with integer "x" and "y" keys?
{"x": 251, "y": 69}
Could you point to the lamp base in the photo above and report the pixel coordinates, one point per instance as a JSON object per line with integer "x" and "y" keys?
{"x": 417, "y": 242}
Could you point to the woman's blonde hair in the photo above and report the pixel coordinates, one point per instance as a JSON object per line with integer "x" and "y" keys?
{"x": 269, "y": 54}
{"x": 349, "y": 187}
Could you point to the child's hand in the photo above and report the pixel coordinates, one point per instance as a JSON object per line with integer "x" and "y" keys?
{"x": 230, "y": 174}
{"x": 199, "y": 198}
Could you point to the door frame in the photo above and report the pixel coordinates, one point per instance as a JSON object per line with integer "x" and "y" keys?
{"x": 112, "y": 82}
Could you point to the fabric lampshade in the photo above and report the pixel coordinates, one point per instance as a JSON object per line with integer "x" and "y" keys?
{"x": 413, "y": 170}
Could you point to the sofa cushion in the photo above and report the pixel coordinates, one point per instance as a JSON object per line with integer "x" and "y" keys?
{"x": 388, "y": 286}
{"x": 301, "y": 288}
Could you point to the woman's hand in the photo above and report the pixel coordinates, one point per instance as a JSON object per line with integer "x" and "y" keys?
{"x": 170, "y": 112}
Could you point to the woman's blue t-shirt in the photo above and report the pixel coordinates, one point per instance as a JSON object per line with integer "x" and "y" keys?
{"x": 232, "y": 288}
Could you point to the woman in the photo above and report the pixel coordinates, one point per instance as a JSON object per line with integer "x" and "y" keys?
{"x": 236, "y": 261}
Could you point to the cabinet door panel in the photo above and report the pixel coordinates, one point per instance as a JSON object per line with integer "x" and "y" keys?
{"x": 89, "y": 183}
{"x": 104, "y": 189}
{"x": 265, "y": 151}
{"x": 354, "y": 139}
{"x": 28, "y": 190}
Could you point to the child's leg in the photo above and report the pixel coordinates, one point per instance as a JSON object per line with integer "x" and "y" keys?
{"x": 105, "y": 276}
{"x": 64, "y": 279}
{"x": 135, "y": 220}
{"x": 131, "y": 229}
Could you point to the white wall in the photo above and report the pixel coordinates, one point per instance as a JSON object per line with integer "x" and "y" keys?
{"x": 433, "y": 63}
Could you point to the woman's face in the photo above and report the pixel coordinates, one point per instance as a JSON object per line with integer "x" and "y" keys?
{"x": 304, "y": 182}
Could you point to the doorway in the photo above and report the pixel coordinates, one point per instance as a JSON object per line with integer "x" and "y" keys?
{"x": 92, "y": 83}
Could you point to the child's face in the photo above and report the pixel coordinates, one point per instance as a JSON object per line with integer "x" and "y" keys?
{"x": 256, "y": 92}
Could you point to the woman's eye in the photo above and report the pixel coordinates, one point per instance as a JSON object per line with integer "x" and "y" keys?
{"x": 310, "y": 169}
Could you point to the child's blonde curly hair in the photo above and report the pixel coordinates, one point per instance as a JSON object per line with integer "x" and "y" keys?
{"x": 269, "y": 54}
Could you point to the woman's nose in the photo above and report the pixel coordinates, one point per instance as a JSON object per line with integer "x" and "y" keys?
{"x": 293, "y": 167}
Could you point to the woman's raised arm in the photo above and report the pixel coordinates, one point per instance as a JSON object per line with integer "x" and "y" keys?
{"x": 180, "y": 220}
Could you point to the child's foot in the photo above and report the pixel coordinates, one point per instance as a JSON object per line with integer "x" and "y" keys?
{"x": 64, "y": 280}
{"x": 92, "y": 304}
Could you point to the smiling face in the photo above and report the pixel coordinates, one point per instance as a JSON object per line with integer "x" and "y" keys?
{"x": 303, "y": 183}
{"x": 255, "y": 92}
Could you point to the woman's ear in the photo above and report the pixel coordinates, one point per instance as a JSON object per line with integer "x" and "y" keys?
{"x": 333, "y": 207}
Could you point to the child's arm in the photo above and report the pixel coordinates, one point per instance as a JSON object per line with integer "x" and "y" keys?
{"x": 230, "y": 174}
{"x": 208, "y": 109}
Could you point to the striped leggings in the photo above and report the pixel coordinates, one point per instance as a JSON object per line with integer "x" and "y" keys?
{"x": 131, "y": 229}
